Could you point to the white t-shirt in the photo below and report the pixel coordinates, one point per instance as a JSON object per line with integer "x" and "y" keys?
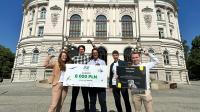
{"x": 62, "y": 74}
{"x": 114, "y": 70}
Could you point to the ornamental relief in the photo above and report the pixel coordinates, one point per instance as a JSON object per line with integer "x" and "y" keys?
{"x": 147, "y": 16}
{"x": 102, "y": 11}
{"x": 55, "y": 14}
{"x": 75, "y": 10}
{"x": 54, "y": 18}
{"x": 127, "y": 11}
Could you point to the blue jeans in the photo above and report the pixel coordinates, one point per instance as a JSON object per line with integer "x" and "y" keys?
{"x": 101, "y": 92}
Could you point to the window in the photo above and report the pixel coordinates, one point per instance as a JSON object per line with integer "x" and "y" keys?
{"x": 35, "y": 56}
{"x": 177, "y": 57}
{"x": 33, "y": 74}
{"x": 101, "y": 26}
{"x": 23, "y": 56}
{"x": 161, "y": 33}
{"x": 168, "y": 76}
{"x": 51, "y": 51}
{"x": 127, "y": 26}
{"x": 30, "y": 31}
{"x": 154, "y": 75}
{"x": 47, "y": 74}
{"x": 159, "y": 15}
{"x": 127, "y": 54}
{"x": 171, "y": 32}
{"x": 166, "y": 57}
{"x": 43, "y": 13}
{"x": 33, "y": 14}
{"x": 75, "y": 26}
{"x": 103, "y": 53}
{"x": 152, "y": 52}
{"x": 40, "y": 31}
{"x": 168, "y": 15}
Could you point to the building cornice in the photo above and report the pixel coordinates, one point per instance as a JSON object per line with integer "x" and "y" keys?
{"x": 174, "y": 3}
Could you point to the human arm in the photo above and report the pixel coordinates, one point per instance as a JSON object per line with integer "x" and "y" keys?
{"x": 154, "y": 60}
{"x": 49, "y": 62}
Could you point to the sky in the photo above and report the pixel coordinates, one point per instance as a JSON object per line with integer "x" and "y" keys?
{"x": 11, "y": 20}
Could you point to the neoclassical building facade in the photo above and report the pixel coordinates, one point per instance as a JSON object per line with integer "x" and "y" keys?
{"x": 50, "y": 25}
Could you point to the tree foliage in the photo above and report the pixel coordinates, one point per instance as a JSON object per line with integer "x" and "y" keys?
{"x": 194, "y": 59}
{"x": 186, "y": 49}
{"x": 6, "y": 61}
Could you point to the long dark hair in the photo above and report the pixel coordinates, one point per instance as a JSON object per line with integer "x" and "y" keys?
{"x": 92, "y": 52}
{"x": 61, "y": 63}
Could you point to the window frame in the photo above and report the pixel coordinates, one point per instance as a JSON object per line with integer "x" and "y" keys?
{"x": 75, "y": 26}
{"x": 40, "y": 31}
{"x": 166, "y": 58}
{"x": 101, "y": 26}
{"x": 127, "y": 26}
{"x": 35, "y": 56}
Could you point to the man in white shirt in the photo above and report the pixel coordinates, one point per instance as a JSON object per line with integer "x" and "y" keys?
{"x": 96, "y": 91}
{"x": 112, "y": 84}
{"x": 146, "y": 98}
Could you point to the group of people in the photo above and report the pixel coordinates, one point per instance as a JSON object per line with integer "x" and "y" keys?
{"x": 59, "y": 92}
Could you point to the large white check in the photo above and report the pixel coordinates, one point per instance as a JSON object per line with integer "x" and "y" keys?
{"x": 86, "y": 75}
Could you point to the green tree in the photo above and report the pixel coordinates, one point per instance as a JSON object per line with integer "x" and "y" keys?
{"x": 186, "y": 49}
{"x": 194, "y": 59}
{"x": 6, "y": 62}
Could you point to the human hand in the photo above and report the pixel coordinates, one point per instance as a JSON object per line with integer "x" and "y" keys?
{"x": 146, "y": 53}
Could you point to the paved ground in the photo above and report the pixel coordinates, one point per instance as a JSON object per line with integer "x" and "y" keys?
{"x": 26, "y": 97}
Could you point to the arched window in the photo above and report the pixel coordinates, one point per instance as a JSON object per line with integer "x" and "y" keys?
{"x": 75, "y": 26}
{"x": 101, "y": 26}
{"x": 127, "y": 54}
{"x": 152, "y": 52}
{"x": 43, "y": 13}
{"x": 127, "y": 26}
{"x": 30, "y": 31}
{"x": 22, "y": 56}
{"x": 40, "y": 31}
{"x": 35, "y": 56}
{"x": 168, "y": 15}
{"x": 33, "y": 14}
{"x": 51, "y": 51}
{"x": 166, "y": 57}
{"x": 103, "y": 53}
{"x": 159, "y": 15}
{"x": 161, "y": 33}
{"x": 177, "y": 57}
{"x": 73, "y": 51}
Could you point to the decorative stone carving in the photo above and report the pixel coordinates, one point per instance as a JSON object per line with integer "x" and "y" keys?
{"x": 128, "y": 11}
{"x": 54, "y": 18}
{"x": 55, "y": 15}
{"x": 147, "y": 16}
{"x": 55, "y": 7}
{"x": 147, "y": 9}
{"x": 75, "y": 10}
{"x": 101, "y": 11}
